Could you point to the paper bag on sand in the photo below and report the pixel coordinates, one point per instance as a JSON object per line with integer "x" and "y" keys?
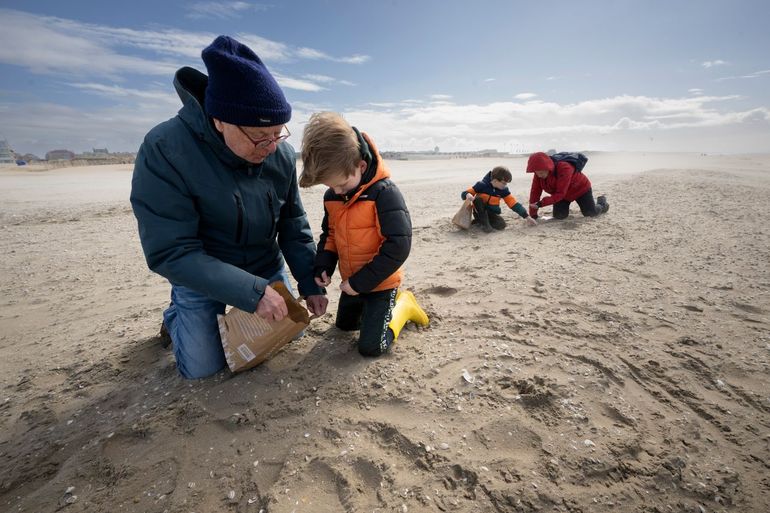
{"x": 249, "y": 340}
{"x": 463, "y": 216}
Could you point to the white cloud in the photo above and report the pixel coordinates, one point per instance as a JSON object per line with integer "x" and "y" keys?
{"x": 384, "y": 105}
{"x": 711, "y": 64}
{"x": 440, "y": 97}
{"x": 115, "y": 92}
{"x": 320, "y": 78}
{"x": 40, "y": 127}
{"x": 525, "y": 96}
{"x": 325, "y": 79}
{"x": 695, "y": 90}
{"x": 46, "y": 44}
{"x": 53, "y": 45}
{"x": 311, "y": 53}
{"x": 297, "y": 83}
{"x": 489, "y": 79}
{"x": 592, "y": 124}
{"x": 700, "y": 123}
{"x": 756, "y": 74}
{"x": 222, "y": 10}
{"x": 354, "y": 59}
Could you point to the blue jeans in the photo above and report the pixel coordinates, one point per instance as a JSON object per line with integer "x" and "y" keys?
{"x": 191, "y": 320}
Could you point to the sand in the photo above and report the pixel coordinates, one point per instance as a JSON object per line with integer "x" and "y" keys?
{"x": 611, "y": 364}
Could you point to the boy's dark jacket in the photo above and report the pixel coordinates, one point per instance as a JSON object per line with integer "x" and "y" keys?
{"x": 492, "y": 196}
{"x": 211, "y": 221}
{"x": 368, "y": 229}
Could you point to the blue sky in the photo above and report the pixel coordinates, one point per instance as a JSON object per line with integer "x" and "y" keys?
{"x": 517, "y": 76}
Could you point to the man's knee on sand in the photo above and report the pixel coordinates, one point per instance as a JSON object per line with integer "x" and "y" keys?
{"x": 191, "y": 321}
{"x": 197, "y": 354}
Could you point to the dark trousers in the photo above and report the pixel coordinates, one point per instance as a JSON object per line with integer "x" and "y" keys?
{"x": 370, "y": 313}
{"x": 485, "y": 217}
{"x": 588, "y": 206}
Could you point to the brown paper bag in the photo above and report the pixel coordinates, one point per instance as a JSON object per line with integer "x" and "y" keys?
{"x": 249, "y": 340}
{"x": 463, "y": 216}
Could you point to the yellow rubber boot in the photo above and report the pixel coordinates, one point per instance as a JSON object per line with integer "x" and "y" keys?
{"x": 406, "y": 310}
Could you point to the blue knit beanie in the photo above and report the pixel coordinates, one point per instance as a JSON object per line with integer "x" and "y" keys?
{"x": 241, "y": 91}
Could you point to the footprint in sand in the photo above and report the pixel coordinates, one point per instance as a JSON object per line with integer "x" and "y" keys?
{"x": 441, "y": 290}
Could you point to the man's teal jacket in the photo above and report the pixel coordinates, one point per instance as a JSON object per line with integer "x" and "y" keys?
{"x": 211, "y": 221}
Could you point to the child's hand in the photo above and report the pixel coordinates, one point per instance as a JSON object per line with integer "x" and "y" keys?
{"x": 317, "y": 304}
{"x": 323, "y": 280}
{"x": 347, "y": 289}
{"x": 469, "y": 199}
{"x": 531, "y": 221}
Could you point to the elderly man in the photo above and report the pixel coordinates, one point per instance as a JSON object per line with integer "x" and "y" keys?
{"x": 215, "y": 195}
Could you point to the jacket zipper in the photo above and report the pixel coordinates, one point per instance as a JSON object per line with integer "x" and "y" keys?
{"x": 271, "y": 233}
{"x": 239, "y": 223}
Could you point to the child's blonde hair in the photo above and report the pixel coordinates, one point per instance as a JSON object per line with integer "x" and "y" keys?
{"x": 329, "y": 149}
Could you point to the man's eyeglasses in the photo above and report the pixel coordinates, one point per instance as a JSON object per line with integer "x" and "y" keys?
{"x": 261, "y": 144}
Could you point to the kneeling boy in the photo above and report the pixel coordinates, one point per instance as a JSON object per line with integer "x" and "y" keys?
{"x": 366, "y": 227}
{"x": 485, "y": 197}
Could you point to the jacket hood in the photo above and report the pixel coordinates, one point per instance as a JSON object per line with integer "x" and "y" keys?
{"x": 538, "y": 162}
{"x": 190, "y": 85}
{"x": 376, "y": 170}
{"x": 487, "y": 178}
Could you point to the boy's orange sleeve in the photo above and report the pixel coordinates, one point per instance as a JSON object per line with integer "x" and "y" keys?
{"x": 469, "y": 190}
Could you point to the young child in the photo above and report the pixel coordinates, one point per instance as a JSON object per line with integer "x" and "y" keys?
{"x": 561, "y": 175}
{"x": 485, "y": 197}
{"x": 366, "y": 227}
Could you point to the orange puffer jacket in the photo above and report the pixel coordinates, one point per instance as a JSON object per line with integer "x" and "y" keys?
{"x": 367, "y": 230}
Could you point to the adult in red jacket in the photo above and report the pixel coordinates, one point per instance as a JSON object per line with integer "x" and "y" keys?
{"x": 564, "y": 184}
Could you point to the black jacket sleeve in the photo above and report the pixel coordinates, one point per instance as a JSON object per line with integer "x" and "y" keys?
{"x": 326, "y": 254}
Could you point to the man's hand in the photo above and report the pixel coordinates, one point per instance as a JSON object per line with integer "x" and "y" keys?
{"x": 530, "y": 221}
{"x": 534, "y": 206}
{"x": 272, "y": 307}
{"x": 323, "y": 280}
{"x": 469, "y": 199}
{"x": 347, "y": 289}
{"x": 317, "y": 304}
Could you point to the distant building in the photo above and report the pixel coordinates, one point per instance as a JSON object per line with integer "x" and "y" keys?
{"x": 6, "y": 153}
{"x": 438, "y": 155}
{"x": 29, "y": 157}
{"x": 101, "y": 151}
{"x": 59, "y": 155}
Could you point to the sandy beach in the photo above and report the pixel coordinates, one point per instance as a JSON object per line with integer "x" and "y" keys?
{"x": 616, "y": 364}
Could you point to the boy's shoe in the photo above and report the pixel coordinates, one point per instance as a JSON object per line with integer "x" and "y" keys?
{"x": 602, "y": 202}
{"x": 482, "y": 215}
{"x": 164, "y": 336}
{"x": 406, "y": 309}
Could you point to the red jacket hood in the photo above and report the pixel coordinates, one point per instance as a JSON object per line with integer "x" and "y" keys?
{"x": 539, "y": 162}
